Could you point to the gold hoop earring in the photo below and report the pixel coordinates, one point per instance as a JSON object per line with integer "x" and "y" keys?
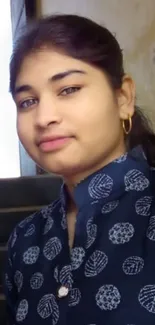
{"x": 127, "y": 130}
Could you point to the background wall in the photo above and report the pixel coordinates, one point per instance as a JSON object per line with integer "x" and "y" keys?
{"x": 134, "y": 25}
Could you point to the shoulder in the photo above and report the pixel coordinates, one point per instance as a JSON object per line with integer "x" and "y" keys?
{"x": 32, "y": 225}
{"x": 152, "y": 169}
{"x": 152, "y": 183}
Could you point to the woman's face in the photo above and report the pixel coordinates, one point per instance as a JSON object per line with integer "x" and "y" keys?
{"x": 68, "y": 118}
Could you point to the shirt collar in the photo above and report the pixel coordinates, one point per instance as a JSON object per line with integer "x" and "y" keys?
{"x": 108, "y": 182}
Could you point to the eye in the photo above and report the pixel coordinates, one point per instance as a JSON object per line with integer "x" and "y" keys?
{"x": 69, "y": 91}
{"x": 27, "y": 103}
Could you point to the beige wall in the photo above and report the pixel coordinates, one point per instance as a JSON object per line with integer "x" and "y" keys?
{"x": 133, "y": 21}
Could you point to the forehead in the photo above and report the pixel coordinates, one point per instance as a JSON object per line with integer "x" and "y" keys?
{"x": 46, "y": 63}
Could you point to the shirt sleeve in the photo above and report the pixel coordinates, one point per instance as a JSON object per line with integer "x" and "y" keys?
{"x": 10, "y": 290}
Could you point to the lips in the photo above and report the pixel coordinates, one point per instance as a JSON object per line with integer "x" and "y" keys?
{"x": 49, "y": 139}
{"x": 48, "y": 144}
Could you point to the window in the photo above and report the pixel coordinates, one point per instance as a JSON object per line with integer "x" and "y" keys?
{"x": 9, "y": 143}
{"x": 14, "y": 161}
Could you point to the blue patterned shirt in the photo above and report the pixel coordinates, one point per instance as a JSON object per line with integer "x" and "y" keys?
{"x": 108, "y": 277}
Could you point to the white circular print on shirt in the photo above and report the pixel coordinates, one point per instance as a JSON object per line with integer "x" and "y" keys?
{"x": 22, "y": 310}
{"x": 147, "y": 298}
{"x": 143, "y": 205}
{"x": 121, "y": 233}
{"x": 96, "y": 264}
{"x": 74, "y": 297}
{"x": 18, "y": 279}
{"x": 13, "y": 238}
{"x": 77, "y": 256}
{"x": 121, "y": 159}
{"x": 48, "y": 307}
{"x": 24, "y": 222}
{"x": 56, "y": 274}
{"x": 91, "y": 233}
{"x": 48, "y": 225}
{"x": 64, "y": 221}
{"x": 8, "y": 282}
{"x": 110, "y": 206}
{"x": 133, "y": 265}
{"x": 66, "y": 278}
{"x": 135, "y": 180}
{"x": 31, "y": 255}
{"x": 36, "y": 280}
{"x": 47, "y": 210}
{"x": 151, "y": 229}
{"x": 100, "y": 186}
{"x": 108, "y": 297}
{"x": 30, "y": 231}
{"x": 52, "y": 248}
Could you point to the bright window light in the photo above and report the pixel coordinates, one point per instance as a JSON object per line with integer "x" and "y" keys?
{"x": 9, "y": 143}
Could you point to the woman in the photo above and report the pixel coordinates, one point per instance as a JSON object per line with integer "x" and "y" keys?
{"x": 89, "y": 257}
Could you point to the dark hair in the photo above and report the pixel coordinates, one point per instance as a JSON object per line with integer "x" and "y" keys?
{"x": 83, "y": 39}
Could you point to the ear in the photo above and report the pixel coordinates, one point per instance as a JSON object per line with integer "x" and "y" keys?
{"x": 126, "y": 98}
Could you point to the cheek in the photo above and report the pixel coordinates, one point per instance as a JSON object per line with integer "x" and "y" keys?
{"x": 98, "y": 124}
{"x": 23, "y": 129}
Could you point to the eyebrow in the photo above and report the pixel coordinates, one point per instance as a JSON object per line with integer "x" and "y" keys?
{"x": 65, "y": 74}
{"x": 55, "y": 78}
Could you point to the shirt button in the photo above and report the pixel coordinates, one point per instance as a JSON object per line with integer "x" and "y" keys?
{"x": 63, "y": 292}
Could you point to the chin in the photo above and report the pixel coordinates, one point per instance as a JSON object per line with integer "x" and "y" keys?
{"x": 60, "y": 169}
{"x": 55, "y": 169}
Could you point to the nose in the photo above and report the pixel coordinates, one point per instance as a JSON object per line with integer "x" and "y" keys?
{"x": 47, "y": 113}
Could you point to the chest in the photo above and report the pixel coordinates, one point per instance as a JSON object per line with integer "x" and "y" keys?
{"x": 71, "y": 224}
{"x": 108, "y": 273}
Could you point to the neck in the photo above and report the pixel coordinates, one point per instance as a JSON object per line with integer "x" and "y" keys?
{"x": 73, "y": 180}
